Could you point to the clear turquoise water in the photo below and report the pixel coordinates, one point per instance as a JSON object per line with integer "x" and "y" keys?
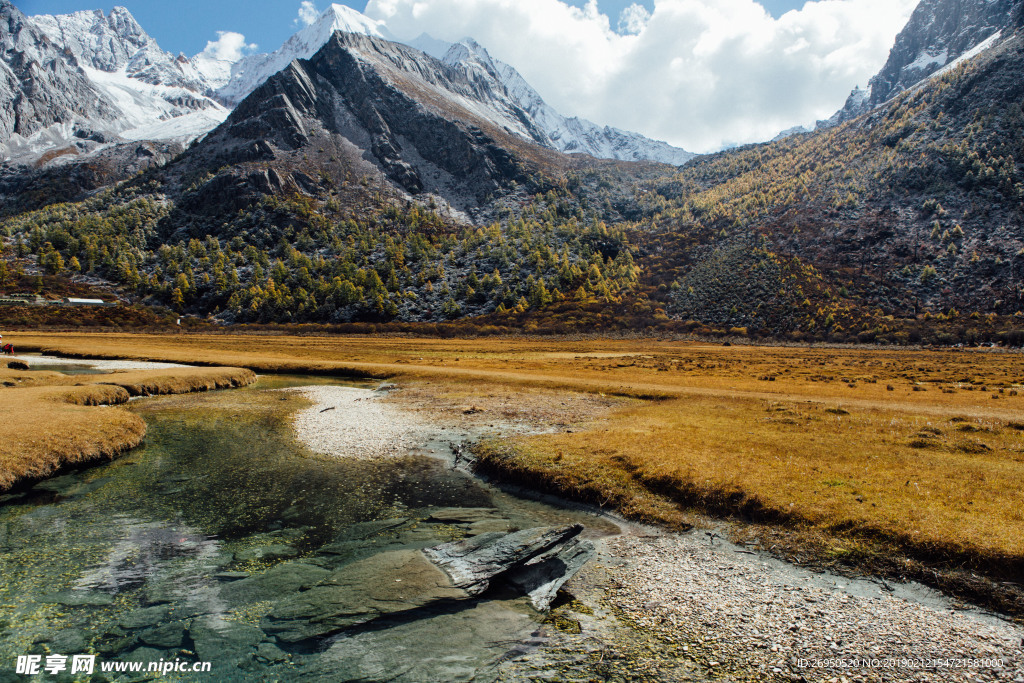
{"x": 135, "y": 559}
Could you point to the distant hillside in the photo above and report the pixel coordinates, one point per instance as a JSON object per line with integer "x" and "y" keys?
{"x": 914, "y": 207}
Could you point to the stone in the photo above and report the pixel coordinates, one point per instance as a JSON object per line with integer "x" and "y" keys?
{"x": 387, "y": 582}
{"x": 541, "y": 577}
{"x": 217, "y": 639}
{"x": 67, "y": 640}
{"x": 266, "y": 553}
{"x": 365, "y": 530}
{"x": 282, "y": 579}
{"x": 143, "y": 618}
{"x": 408, "y": 580}
{"x": 472, "y": 563}
{"x": 271, "y": 653}
{"x": 170, "y": 635}
{"x": 77, "y": 598}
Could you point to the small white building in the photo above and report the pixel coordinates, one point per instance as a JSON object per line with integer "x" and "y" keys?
{"x": 71, "y": 301}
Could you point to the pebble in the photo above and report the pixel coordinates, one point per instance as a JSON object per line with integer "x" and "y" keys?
{"x": 726, "y": 603}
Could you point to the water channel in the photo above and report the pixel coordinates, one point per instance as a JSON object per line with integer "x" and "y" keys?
{"x": 180, "y": 549}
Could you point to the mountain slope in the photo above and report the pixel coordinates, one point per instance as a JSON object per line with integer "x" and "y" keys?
{"x": 915, "y": 207}
{"x": 938, "y": 33}
{"x": 253, "y": 70}
{"x": 565, "y": 134}
{"x": 366, "y": 106}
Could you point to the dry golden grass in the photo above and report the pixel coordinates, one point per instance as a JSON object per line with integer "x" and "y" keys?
{"x": 919, "y": 447}
{"x": 939, "y": 487}
{"x": 51, "y": 419}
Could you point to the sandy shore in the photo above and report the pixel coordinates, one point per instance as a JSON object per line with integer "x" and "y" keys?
{"x": 356, "y": 423}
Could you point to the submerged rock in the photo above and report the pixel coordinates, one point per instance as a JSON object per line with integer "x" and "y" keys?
{"x": 388, "y": 582}
{"x": 79, "y": 598}
{"x": 217, "y": 639}
{"x": 414, "y": 583}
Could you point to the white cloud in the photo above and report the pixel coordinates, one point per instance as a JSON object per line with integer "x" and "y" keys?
{"x": 697, "y": 73}
{"x": 229, "y": 46}
{"x": 308, "y": 13}
{"x": 633, "y": 19}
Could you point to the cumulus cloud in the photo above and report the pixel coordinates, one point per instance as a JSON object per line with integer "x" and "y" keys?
{"x": 632, "y": 19}
{"x": 229, "y": 46}
{"x": 308, "y": 13}
{"x": 698, "y": 73}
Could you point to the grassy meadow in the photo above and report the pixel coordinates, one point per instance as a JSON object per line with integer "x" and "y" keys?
{"x": 915, "y": 451}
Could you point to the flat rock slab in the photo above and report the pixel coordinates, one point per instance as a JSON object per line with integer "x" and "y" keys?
{"x": 217, "y": 639}
{"x": 445, "y": 646}
{"x": 415, "y": 583}
{"x": 385, "y": 583}
{"x": 287, "y": 577}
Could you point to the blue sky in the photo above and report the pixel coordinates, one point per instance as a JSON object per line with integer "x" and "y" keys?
{"x": 186, "y": 25}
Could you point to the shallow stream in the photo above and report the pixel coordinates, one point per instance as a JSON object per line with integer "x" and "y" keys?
{"x": 180, "y": 550}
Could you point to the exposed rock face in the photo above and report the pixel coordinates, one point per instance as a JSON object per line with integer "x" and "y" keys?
{"x": 473, "y": 563}
{"x": 496, "y": 84}
{"x": 415, "y": 119}
{"x": 40, "y": 86}
{"x": 938, "y": 32}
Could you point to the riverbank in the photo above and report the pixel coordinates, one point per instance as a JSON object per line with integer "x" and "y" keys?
{"x": 904, "y": 463}
{"x": 53, "y": 420}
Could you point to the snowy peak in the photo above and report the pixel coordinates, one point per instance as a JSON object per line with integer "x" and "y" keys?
{"x": 938, "y": 33}
{"x": 251, "y": 71}
{"x": 117, "y": 43}
{"x": 496, "y": 85}
{"x": 44, "y": 99}
{"x": 571, "y": 135}
{"x": 158, "y": 96}
{"x": 101, "y": 42}
{"x": 347, "y": 20}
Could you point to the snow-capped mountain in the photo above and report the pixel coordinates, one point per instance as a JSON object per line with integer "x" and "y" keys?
{"x": 154, "y": 95}
{"x": 158, "y": 95}
{"x": 503, "y": 87}
{"x": 566, "y": 134}
{"x": 939, "y": 34}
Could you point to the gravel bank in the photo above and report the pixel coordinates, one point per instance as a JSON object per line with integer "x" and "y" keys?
{"x": 355, "y": 423}
{"x": 688, "y": 607}
{"x": 748, "y": 612}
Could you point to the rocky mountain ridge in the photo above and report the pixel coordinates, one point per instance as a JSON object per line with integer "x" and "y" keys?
{"x": 938, "y": 34}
